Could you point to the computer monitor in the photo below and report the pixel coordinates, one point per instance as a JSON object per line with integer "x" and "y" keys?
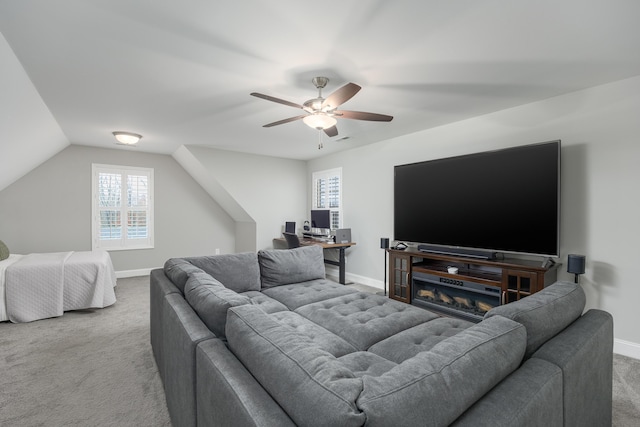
{"x": 321, "y": 218}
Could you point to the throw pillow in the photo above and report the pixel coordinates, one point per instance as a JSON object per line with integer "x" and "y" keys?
{"x": 238, "y": 272}
{"x": 4, "y": 251}
{"x": 287, "y": 266}
{"x": 211, "y": 300}
{"x": 179, "y": 270}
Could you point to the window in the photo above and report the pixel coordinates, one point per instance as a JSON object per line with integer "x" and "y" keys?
{"x": 122, "y": 208}
{"x": 327, "y": 194}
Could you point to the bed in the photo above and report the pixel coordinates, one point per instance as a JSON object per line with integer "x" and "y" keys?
{"x": 42, "y": 285}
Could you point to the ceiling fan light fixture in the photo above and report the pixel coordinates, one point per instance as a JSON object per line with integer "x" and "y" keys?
{"x": 127, "y": 138}
{"x": 321, "y": 112}
{"x": 319, "y": 121}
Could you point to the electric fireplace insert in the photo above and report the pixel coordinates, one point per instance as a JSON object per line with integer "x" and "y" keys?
{"x": 456, "y": 297}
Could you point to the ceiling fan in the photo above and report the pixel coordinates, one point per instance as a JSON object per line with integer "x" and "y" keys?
{"x": 321, "y": 113}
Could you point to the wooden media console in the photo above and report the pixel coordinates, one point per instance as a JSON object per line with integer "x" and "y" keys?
{"x": 423, "y": 279}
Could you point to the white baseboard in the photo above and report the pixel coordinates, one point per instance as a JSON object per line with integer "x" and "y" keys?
{"x": 354, "y": 278}
{"x": 364, "y": 280}
{"x": 133, "y": 273}
{"x": 626, "y": 348}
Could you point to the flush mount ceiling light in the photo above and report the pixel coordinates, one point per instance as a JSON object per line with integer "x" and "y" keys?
{"x": 127, "y": 138}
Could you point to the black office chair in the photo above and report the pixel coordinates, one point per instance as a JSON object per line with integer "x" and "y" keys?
{"x": 292, "y": 240}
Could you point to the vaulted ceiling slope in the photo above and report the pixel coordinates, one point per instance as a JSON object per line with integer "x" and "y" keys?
{"x": 181, "y": 72}
{"x": 29, "y": 134}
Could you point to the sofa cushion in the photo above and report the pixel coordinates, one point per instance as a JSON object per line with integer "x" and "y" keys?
{"x": 408, "y": 343}
{"x": 211, "y": 300}
{"x": 299, "y": 294}
{"x": 238, "y": 272}
{"x": 434, "y": 387}
{"x": 544, "y": 313}
{"x": 363, "y": 319}
{"x": 178, "y": 270}
{"x": 319, "y": 335}
{"x": 266, "y": 303}
{"x": 363, "y": 363}
{"x": 309, "y": 383}
{"x": 283, "y": 267}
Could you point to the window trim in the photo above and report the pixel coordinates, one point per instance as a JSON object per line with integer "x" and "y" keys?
{"x": 327, "y": 174}
{"x": 123, "y": 243}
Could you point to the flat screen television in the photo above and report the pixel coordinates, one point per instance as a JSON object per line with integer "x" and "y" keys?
{"x": 498, "y": 201}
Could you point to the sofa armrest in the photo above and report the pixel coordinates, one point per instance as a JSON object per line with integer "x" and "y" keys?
{"x": 584, "y": 352}
{"x": 228, "y": 395}
{"x": 545, "y": 313}
{"x": 159, "y": 286}
{"x": 530, "y": 396}
{"x": 182, "y": 331}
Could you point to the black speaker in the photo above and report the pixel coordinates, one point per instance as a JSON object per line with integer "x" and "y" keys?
{"x": 384, "y": 243}
{"x": 575, "y": 264}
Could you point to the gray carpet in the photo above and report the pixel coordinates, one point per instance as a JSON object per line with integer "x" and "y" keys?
{"x": 86, "y": 368}
{"x": 626, "y": 391}
{"x": 95, "y": 368}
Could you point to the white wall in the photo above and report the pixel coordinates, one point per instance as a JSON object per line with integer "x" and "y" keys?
{"x": 599, "y": 129}
{"x": 49, "y": 209}
{"x": 265, "y": 190}
{"x": 29, "y": 134}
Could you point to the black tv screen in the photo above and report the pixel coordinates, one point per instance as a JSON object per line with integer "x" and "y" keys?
{"x": 504, "y": 201}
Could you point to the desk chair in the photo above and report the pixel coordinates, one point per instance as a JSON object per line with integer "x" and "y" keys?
{"x": 292, "y": 240}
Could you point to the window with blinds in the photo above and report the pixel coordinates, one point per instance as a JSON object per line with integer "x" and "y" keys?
{"x": 122, "y": 213}
{"x": 327, "y": 194}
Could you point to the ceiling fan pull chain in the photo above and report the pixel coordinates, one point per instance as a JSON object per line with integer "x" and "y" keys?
{"x": 320, "y": 139}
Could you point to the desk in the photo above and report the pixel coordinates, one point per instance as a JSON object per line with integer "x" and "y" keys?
{"x": 340, "y": 246}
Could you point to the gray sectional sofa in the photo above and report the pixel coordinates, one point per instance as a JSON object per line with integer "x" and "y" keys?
{"x": 266, "y": 340}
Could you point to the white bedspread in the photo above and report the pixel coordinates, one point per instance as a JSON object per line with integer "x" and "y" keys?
{"x": 4, "y": 264}
{"x": 38, "y": 286}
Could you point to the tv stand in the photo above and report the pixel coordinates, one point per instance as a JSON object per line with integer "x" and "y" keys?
{"x": 460, "y": 252}
{"x": 510, "y": 279}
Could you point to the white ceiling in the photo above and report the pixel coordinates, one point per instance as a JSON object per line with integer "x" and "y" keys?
{"x": 180, "y": 72}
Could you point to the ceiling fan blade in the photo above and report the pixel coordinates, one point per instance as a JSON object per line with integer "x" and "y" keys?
{"x": 278, "y": 100}
{"x": 342, "y": 95}
{"x": 359, "y": 115}
{"x": 332, "y": 131}
{"x": 283, "y": 121}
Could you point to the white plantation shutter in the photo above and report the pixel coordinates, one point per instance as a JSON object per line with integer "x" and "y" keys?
{"x": 122, "y": 214}
{"x": 109, "y": 201}
{"x": 327, "y": 194}
{"x": 137, "y": 204}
